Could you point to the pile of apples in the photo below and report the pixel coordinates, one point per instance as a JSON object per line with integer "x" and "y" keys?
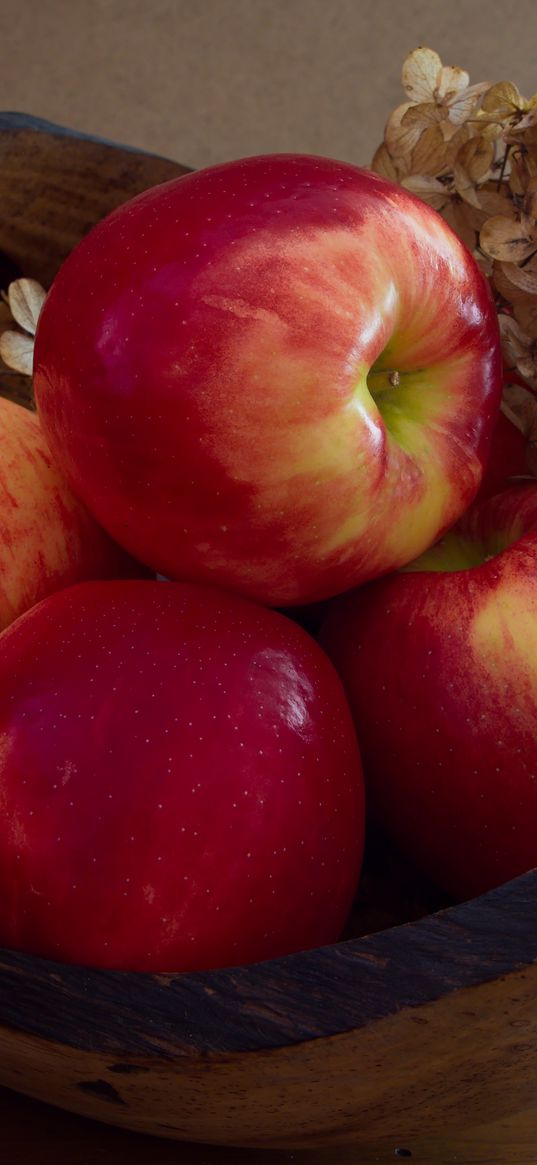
{"x": 259, "y": 388}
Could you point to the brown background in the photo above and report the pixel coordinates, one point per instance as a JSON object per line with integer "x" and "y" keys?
{"x": 202, "y": 81}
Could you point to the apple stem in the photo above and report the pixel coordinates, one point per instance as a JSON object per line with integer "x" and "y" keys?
{"x": 380, "y": 379}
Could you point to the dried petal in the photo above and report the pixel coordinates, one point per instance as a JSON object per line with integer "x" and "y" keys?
{"x": 17, "y": 351}
{"x": 516, "y": 343}
{"x": 526, "y": 315}
{"x": 503, "y": 238}
{"x": 475, "y": 216}
{"x": 455, "y": 137}
{"x": 529, "y": 227}
{"x": 523, "y": 278}
{"x": 449, "y": 134}
{"x": 502, "y": 100}
{"x": 527, "y": 137}
{"x": 461, "y": 107}
{"x": 518, "y": 178}
{"x": 429, "y": 155}
{"x": 465, "y": 186}
{"x": 528, "y": 369}
{"x": 502, "y": 283}
{"x": 518, "y": 349}
{"x": 472, "y": 165}
{"x": 484, "y": 263}
{"x": 384, "y": 165}
{"x": 495, "y": 203}
{"x": 526, "y": 121}
{"x": 419, "y": 74}
{"x": 476, "y": 157}
{"x": 428, "y": 189}
{"x": 423, "y": 115}
{"x": 400, "y": 140}
{"x": 450, "y": 83}
{"x": 26, "y": 298}
{"x": 459, "y": 216}
{"x": 530, "y": 204}
{"x": 489, "y": 127}
{"x": 519, "y": 175}
{"x": 520, "y": 405}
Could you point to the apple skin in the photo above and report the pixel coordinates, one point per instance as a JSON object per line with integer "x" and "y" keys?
{"x": 180, "y": 777}
{"x": 507, "y": 459}
{"x": 48, "y": 539}
{"x": 439, "y": 663}
{"x": 212, "y": 369}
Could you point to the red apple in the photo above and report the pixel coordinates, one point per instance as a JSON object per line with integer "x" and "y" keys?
{"x": 279, "y": 375}
{"x": 48, "y": 539}
{"x": 508, "y": 458}
{"x": 440, "y": 667}
{"x": 180, "y": 781}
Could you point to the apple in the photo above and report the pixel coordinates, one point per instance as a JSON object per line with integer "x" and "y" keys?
{"x": 180, "y": 781}
{"x": 48, "y": 539}
{"x": 279, "y": 375}
{"x": 508, "y": 458}
{"x": 439, "y": 662}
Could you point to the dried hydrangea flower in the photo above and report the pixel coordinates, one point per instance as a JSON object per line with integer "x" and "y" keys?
{"x": 470, "y": 151}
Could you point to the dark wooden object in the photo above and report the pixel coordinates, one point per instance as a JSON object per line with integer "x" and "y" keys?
{"x": 420, "y": 1039}
{"x": 55, "y": 185}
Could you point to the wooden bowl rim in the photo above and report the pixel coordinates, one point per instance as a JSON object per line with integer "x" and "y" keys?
{"x": 13, "y": 120}
{"x": 295, "y": 998}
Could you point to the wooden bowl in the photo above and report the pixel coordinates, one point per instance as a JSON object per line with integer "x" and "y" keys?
{"x": 417, "y": 1040}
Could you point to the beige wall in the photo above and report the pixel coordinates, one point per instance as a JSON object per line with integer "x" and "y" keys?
{"x": 206, "y": 80}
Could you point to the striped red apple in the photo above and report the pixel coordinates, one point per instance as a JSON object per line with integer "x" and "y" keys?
{"x": 48, "y": 539}
{"x": 279, "y": 375}
{"x": 440, "y": 666}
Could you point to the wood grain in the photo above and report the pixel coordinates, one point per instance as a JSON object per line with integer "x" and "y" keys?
{"x": 420, "y": 1038}
{"x": 431, "y": 1025}
{"x": 55, "y": 185}
{"x": 35, "y": 1133}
